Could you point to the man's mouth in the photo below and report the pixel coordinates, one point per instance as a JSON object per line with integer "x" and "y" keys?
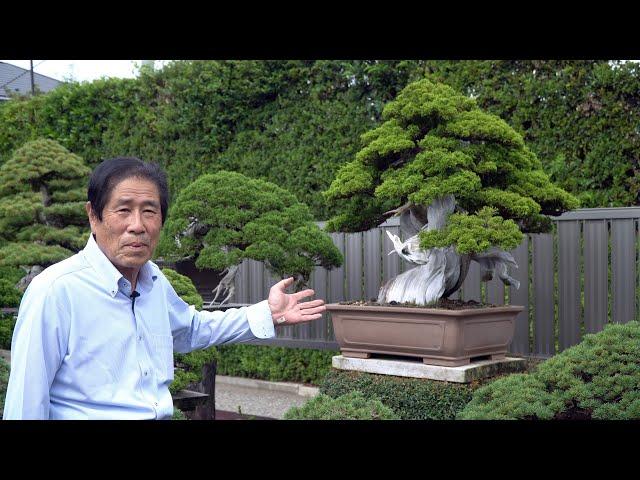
{"x": 136, "y": 245}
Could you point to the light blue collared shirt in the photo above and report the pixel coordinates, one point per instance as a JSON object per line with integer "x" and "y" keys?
{"x": 83, "y": 349}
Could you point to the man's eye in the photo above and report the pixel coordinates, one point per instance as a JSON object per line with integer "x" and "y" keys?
{"x": 123, "y": 210}
{"x": 150, "y": 211}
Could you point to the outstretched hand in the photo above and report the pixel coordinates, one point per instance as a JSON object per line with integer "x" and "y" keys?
{"x": 286, "y": 308}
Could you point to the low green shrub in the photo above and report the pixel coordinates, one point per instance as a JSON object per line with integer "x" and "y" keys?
{"x": 7, "y": 324}
{"x": 277, "y": 364}
{"x": 182, "y": 379}
{"x": 352, "y": 406}
{"x": 410, "y": 398}
{"x": 4, "y": 380}
{"x": 178, "y": 415}
{"x": 10, "y": 296}
{"x": 599, "y": 378}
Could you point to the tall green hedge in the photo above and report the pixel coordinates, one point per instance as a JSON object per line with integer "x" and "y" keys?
{"x": 295, "y": 122}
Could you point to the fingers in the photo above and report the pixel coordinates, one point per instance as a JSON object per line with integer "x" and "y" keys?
{"x": 311, "y": 311}
{"x": 311, "y": 304}
{"x": 303, "y": 294}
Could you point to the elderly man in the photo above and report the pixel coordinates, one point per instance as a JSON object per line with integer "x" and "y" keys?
{"x": 96, "y": 332}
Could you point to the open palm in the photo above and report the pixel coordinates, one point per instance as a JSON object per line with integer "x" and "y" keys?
{"x": 286, "y": 308}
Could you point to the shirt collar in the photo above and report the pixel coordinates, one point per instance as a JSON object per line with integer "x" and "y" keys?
{"x": 110, "y": 274}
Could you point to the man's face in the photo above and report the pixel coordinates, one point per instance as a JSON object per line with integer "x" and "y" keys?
{"x": 130, "y": 226}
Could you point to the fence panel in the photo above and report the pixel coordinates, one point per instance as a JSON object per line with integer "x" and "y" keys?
{"x": 543, "y": 291}
{"x": 372, "y": 263}
{"x": 623, "y": 270}
{"x": 520, "y": 296}
{"x": 318, "y": 329}
{"x": 353, "y": 261}
{"x": 337, "y": 278}
{"x": 569, "y": 301}
{"x": 596, "y": 240}
{"x": 471, "y": 284}
{"x": 495, "y": 291}
{"x": 582, "y": 271}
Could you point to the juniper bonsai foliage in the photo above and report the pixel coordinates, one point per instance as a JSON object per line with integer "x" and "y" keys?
{"x": 462, "y": 181}
{"x": 599, "y": 378}
{"x": 223, "y": 218}
{"x": 42, "y": 195}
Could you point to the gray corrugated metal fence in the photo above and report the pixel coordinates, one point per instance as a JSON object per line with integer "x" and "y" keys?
{"x": 573, "y": 281}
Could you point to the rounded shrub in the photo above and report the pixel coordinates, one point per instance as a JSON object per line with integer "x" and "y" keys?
{"x": 184, "y": 287}
{"x": 599, "y": 378}
{"x": 352, "y": 406}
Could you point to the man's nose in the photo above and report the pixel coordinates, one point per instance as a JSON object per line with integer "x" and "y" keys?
{"x": 136, "y": 225}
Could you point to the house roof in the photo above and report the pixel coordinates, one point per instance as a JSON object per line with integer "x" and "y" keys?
{"x": 18, "y": 80}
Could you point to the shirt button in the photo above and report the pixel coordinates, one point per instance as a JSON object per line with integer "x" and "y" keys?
{"x": 145, "y": 374}
{"x": 140, "y": 338}
{"x": 155, "y": 403}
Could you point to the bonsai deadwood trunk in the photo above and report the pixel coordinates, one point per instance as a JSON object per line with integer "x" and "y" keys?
{"x": 440, "y": 271}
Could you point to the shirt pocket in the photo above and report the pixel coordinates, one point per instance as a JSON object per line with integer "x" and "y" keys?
{"x": 163, "y": 356}
{"x": 91, "y": 372}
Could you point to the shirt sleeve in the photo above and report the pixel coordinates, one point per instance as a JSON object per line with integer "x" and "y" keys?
{"x": 38, "y": 346}
{"x": 193, "y": 329}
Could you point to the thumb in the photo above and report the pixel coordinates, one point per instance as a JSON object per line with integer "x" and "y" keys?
{"x": 285, "y": 283}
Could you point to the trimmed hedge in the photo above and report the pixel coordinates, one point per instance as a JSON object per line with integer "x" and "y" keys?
{"x": 599, "y": 378}
{"x": 352, "y": 406}
{"x": 277, "y": 364}
{"x": 410, "y": 399}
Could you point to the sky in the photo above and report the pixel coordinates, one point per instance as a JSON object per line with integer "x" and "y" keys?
{"x": 84, "y": 70}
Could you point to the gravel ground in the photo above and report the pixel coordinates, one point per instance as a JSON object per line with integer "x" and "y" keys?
{"x": 258, "y": 402}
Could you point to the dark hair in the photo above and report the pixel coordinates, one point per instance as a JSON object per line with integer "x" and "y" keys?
{"x": 112, "y": 171}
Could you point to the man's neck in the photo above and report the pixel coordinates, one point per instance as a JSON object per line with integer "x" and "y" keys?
{"x": 130, "y": 274}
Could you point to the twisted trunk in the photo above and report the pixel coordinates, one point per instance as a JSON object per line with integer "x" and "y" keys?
{"x": 440, "y": 271}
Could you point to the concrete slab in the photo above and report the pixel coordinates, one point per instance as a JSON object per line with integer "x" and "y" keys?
{"x": 285, "y": 387}
{"x": 418, "y": 369}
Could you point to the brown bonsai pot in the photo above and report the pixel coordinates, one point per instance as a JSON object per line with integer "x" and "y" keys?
{"x": 438, "y": 336}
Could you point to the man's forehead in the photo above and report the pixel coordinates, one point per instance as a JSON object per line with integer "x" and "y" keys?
{"x": 135, "y": 190}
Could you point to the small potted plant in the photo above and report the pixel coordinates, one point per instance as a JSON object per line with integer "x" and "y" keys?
{"x": 223, "y": 218}
{"x": 465, "y": 187}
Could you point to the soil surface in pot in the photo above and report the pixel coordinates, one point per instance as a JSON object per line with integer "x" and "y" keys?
{"x": 444, "y": 303}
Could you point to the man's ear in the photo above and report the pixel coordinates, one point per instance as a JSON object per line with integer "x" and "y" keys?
{"x": 90, "y": 215}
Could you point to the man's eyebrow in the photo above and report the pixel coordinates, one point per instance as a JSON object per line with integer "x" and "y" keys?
{"x": 129, "y": 200}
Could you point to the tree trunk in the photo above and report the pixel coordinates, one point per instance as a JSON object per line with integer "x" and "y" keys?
{"x": 441, "y": 271}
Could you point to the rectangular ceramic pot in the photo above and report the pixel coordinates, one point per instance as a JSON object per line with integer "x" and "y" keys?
{"x": 438, "y": 336}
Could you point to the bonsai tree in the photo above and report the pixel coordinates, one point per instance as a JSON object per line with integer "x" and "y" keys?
{"x": 42, "y": 216}
{"x": 462, "y": 181}
{"x": 223, "y": 218}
